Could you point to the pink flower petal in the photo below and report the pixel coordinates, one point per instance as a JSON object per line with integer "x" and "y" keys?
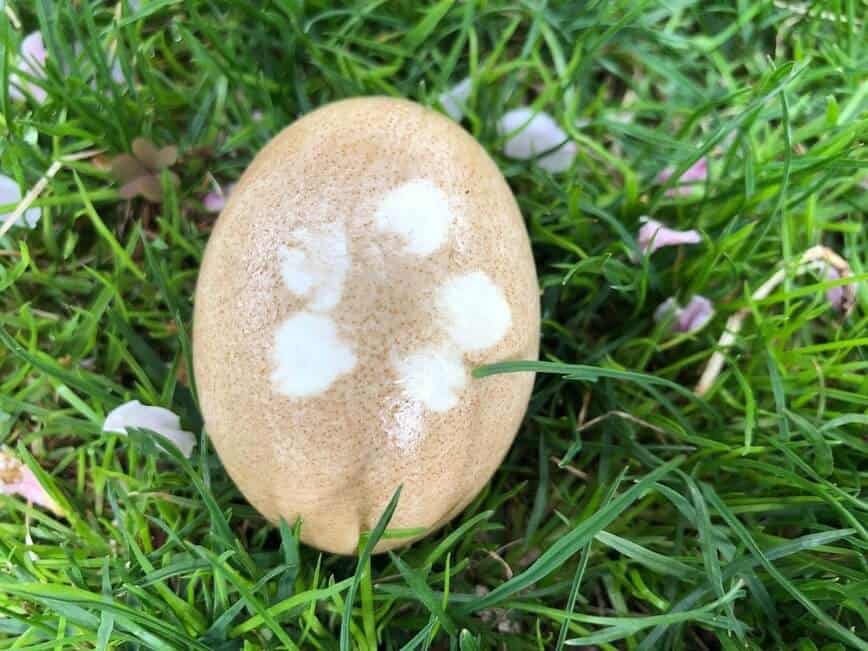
{"x": 31, "y": 61}
{"x": 215, "y": 200}
{"x": 454, "y": 99}
{"x": 665, "y": 174}
{"x": 696, "y": 173}
{"x": 17, "y": 479}
{"x": 695, "y": 314}
{"x": 691, "y": 318}
{"x": 530, "y": 134}
{"x": 162, "y": 421}
{"x": 10, "y": 193}
{"x": 654, "y": 235}
{"x": 33, "y": 52}
{"x": 835, "y": 295}
{"x": 843, "y": 297}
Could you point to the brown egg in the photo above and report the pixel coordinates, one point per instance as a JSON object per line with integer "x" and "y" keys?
{"x": 369, "y": 258}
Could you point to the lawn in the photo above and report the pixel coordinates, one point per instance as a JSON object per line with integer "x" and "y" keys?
{"x": 632, "y": 512}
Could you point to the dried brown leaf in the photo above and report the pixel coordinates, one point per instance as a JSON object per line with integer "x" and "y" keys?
{"x": 126, "y": 168}
{"x": 147, "y": 186}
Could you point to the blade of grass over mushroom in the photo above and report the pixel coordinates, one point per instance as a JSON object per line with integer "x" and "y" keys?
{"x": 370, "y": 541}
{"x": 584, "y": 373}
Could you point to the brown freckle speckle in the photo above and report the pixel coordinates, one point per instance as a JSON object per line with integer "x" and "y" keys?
{"x": 329, "y": 458}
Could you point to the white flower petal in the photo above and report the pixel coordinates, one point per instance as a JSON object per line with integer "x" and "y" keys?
{"x": 534, "y": 134}
{"x": 560, "y": 159}
{"x": 666, "y": 310}
{"x": 117, "y": 72}
{"x": 162, "y": 421}
{"x": 454, "y": 99}
{"x": 654, "y": 235}
{"x": 10, "y": 193}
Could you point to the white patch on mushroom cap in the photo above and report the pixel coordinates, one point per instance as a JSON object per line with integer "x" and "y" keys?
{"x": 403, "y": 421}
{"x": 309, "y": 355}
{"x": 474, "y": 315}
{"x": 317, "y": 266}
{"x": 419, "y": 213}
{"x": 433, "y": 377}
{"x": 474, "y": 311}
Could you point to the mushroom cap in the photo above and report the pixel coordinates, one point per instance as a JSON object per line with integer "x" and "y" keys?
{"x": 368, "y": 259}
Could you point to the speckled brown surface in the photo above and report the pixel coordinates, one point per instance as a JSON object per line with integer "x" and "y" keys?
{"x": 327, "y": 458}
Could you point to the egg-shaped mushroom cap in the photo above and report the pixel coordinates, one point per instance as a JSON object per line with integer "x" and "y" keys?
{"x": 369, "y": 258}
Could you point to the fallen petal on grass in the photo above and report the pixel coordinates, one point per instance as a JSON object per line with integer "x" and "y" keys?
{"x": 536, "y": 135}
{"x": 17, "y": 479}
{"x": 690, "y": 318}
{"x": 454, "y": 100}
{"x": 818, "y": 258}
{"x": 655, "y": 235}
{"x": 694, "y": 174}
{"x": 216, "y": 199}
{"x": 8, "y": 220}
{"x": 841, "y": 297}
{"x": 157, "y": 419}
{"x": 10, "y": 193}
{"x": 31, "y": 63}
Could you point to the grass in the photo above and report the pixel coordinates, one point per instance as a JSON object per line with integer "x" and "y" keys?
{"x": 734, "y": 521}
